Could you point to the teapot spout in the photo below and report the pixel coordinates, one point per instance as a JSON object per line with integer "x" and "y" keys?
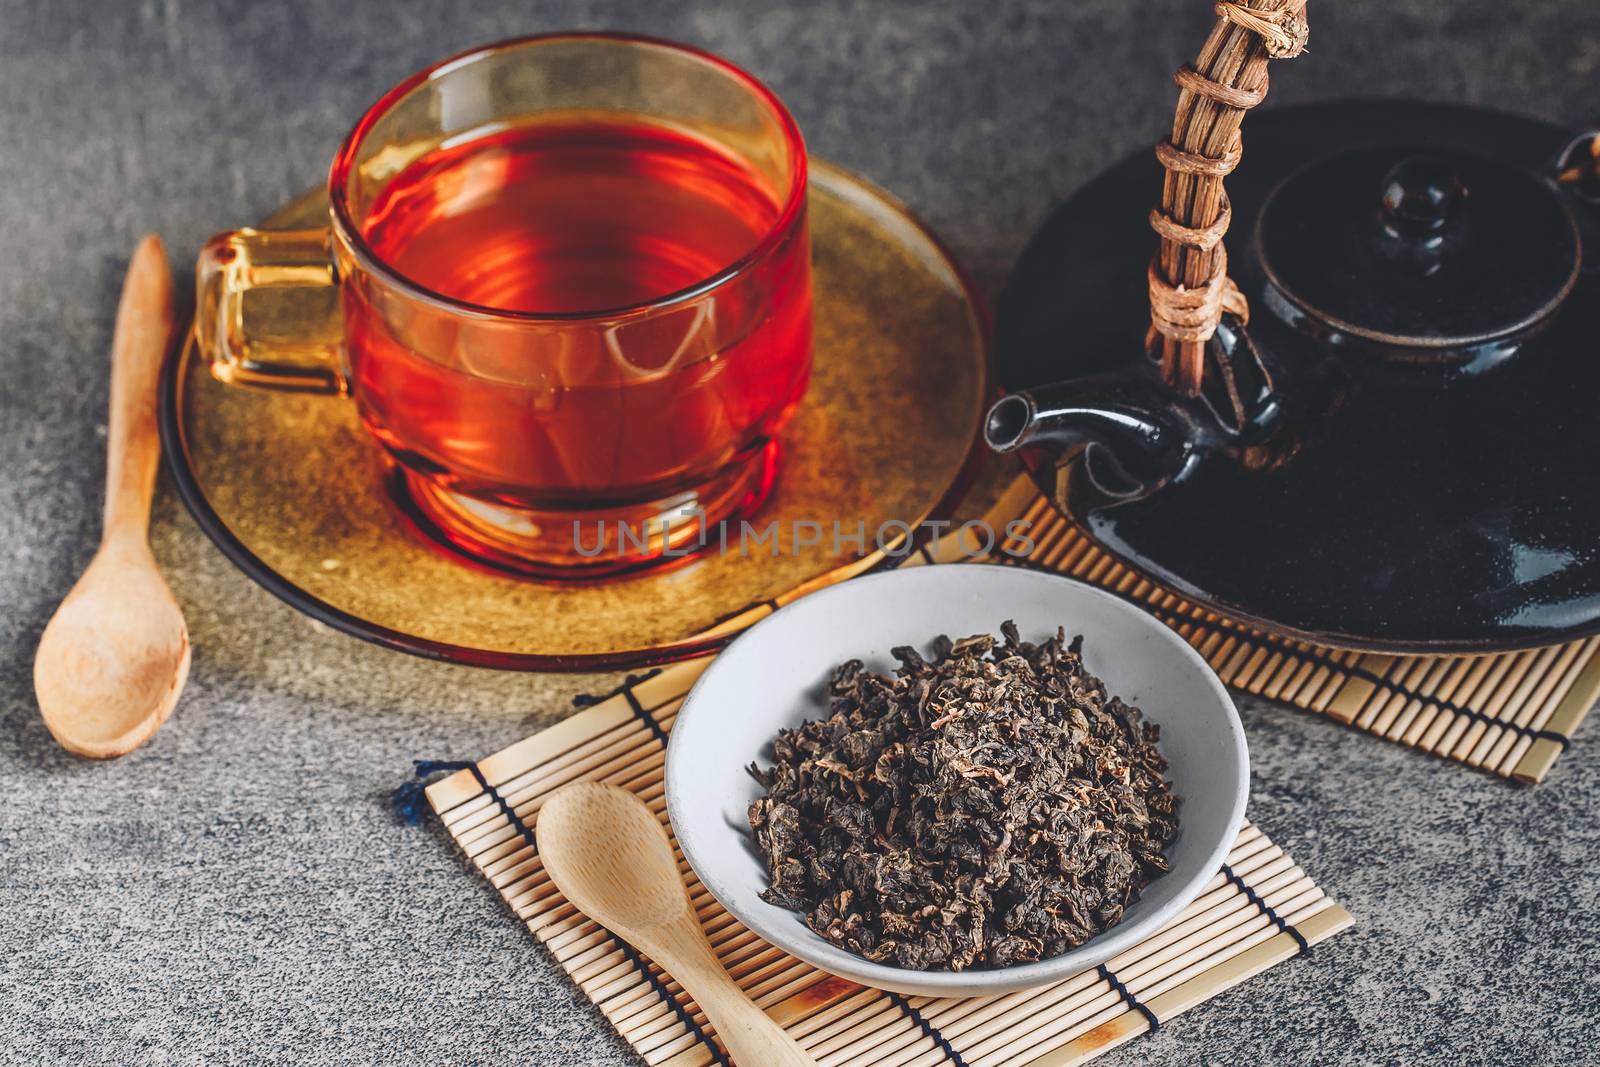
{"x": 1134, "y": 438}
{"x": 1012, "y": 422}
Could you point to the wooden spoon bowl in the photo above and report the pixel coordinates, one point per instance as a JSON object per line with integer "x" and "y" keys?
{"x": 114, "y": 657}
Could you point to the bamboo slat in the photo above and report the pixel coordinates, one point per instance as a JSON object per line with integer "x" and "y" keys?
{"x": 1226, "y": 935}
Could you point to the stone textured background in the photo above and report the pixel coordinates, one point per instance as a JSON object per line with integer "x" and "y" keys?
{"x": 237, "y": 892}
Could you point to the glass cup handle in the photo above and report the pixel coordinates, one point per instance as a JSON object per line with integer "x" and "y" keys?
{"x": 230, "y": 265}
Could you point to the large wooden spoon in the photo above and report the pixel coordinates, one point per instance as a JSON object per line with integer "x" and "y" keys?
{"x": 609, "y": 856}
{"x": 115, "y": 655}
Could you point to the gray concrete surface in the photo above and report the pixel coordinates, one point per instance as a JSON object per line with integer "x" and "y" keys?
{"x": 237, "y": 893}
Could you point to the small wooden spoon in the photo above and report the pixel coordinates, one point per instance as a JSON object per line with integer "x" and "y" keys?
{"x": 115, "y": 655}
{"x": 609, "y": 856}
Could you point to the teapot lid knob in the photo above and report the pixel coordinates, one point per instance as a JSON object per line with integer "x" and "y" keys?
{"x": 1420, "y": 195}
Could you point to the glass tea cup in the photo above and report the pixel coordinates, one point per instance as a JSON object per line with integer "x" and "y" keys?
{"x": 574, "y": 279}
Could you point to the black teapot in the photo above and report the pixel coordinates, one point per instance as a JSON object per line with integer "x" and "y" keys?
{"x": 1388, "y": 443}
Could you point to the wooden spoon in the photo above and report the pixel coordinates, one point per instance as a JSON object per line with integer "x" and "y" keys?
{"x": 115, "y": 655}
{"x": 609, "y": 856}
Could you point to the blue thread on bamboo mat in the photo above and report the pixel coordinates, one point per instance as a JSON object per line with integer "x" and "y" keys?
{"x": 1128, "y": 998}
{"x": 1268, "y": 910}
{"x": 625, "y": 690}
{"x": 927, "y": 1028}
{"x": 407, "y": 798}
{"x": 633, "y": 957}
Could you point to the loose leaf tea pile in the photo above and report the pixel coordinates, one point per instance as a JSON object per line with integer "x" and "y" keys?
{"x": 991, "y": 807}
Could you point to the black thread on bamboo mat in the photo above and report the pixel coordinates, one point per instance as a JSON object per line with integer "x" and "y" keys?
{"x": 927, "y": 1028}
{"x": 625, "y": 690}
{"x": 1378, "y": 682}
{"x": 632, "y": 956}
{"x": 516, "y": 820}
{"x": 1132, "y": 1001}
{"x": 1267, "y": 910}
{"x": 1561, "y": 740}
{"x": 1174, "y": 619}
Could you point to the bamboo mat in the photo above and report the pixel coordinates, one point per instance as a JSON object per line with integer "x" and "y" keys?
{"x": 1511, "y": 713}
{"x": 1260, "y": 911}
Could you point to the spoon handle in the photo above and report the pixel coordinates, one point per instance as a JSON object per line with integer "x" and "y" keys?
{"x": 752, "y": 1038}
{"x": 133, "y": 448}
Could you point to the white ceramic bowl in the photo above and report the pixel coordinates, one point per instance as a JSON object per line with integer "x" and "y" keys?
{"x": 775, "y": 675}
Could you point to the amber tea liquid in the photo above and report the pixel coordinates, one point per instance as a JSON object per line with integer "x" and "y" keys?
{"x": 560, "y": 219}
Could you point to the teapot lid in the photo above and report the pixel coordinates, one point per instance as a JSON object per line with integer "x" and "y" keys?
{"x": 1439, "y": 248}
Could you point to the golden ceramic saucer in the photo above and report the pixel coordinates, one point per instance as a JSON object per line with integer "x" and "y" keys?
{"x": 289, "y": 488}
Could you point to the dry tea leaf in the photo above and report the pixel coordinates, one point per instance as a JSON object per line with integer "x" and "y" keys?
{"x": 992, "y": 807}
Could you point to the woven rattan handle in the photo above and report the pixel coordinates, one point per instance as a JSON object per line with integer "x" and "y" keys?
{"x": 1189, "y": 284}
